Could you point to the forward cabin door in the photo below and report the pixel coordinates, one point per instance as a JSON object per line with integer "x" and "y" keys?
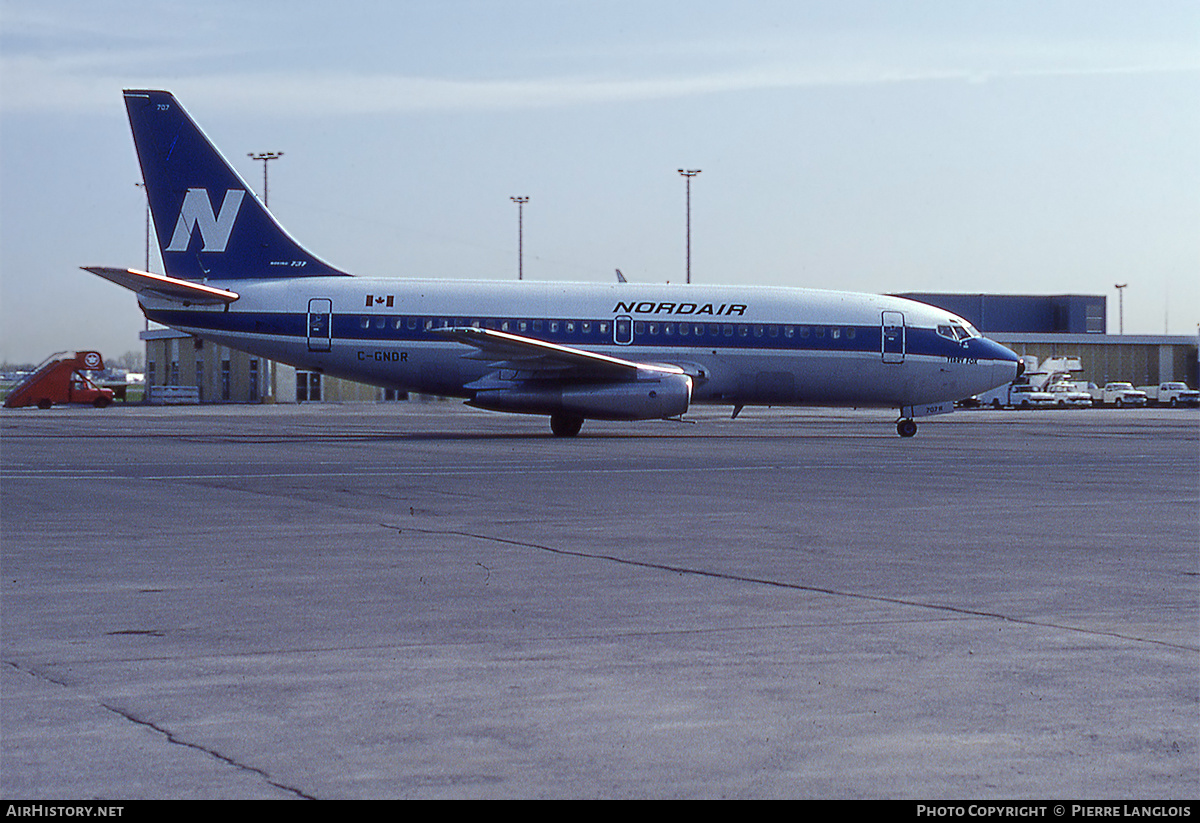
{"x": 893, "y": 337}
{"x": 320, "y": 316}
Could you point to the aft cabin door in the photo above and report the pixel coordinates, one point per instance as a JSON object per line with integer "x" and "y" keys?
{"x": 893, "y": 337}
{"x": 320, "y": 317}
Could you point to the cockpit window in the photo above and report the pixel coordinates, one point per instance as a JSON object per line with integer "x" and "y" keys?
{"x": 958, "y": 330}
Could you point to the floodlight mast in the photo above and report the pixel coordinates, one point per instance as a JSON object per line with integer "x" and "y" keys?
{"x": 265, "y": 157}
{"x": 1120, "y": 287}
{"x": 520, "y": 201}
{"x": 689, "y": 174}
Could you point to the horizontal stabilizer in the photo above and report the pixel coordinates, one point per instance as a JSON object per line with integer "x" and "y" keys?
{"x": 172, "y": 288}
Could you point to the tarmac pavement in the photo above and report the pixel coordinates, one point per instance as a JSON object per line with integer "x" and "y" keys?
{"x": 425, "y": 601}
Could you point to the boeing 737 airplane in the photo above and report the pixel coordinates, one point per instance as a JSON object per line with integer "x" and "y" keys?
{"x": 572, "y": 351}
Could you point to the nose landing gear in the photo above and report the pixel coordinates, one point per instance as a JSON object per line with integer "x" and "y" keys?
{"x": 906, "y": 427}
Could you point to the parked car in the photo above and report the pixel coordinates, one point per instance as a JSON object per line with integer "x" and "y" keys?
{"x": 1172, "y": 394}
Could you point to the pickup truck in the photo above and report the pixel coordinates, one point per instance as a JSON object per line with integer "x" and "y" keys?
{"x": 1017, "y": 396}
{"x": 1067, "y": 394}
{"x": 1119, "y": 394}
{"x": 1171, "y": 394}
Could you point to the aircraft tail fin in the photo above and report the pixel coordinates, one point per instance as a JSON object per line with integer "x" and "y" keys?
{"x": 207, "y": 222}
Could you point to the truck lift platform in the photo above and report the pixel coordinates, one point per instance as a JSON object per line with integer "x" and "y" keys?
{"x": 62, "y": 380}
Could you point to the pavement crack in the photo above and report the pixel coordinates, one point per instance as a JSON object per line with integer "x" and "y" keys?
{"x": 178, "y": 741}
{"x": 170, "y": 736}
{"x": 876, "y": 598}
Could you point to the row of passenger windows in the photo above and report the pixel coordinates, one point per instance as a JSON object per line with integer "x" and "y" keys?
{"x": 604, "y": 328}
{"x": 513, "y": 326}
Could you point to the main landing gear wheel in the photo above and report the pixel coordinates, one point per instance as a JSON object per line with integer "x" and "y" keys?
{"x": 565, "y": 425}
{"x": 906, "y": 427}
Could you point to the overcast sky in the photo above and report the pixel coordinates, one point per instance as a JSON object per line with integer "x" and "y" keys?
{"x": 1023, "y": 146}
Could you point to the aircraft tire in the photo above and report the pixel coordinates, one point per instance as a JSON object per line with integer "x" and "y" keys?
{"x": 565, "y": 425}
{"x": 906, "y": 427}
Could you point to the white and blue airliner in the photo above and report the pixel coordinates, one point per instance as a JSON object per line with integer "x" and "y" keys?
{"x": 571, "y": 351}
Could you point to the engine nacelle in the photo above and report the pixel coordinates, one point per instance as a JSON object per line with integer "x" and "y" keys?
{"x": 652, "y": 398}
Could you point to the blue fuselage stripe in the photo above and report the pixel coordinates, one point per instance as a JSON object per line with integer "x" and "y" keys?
{"x": 382, "y": 329}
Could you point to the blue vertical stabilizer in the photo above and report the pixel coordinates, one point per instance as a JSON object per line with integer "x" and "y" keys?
{"x": 208, "y": 223}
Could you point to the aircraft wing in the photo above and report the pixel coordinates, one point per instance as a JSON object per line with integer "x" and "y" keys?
{"x": 160, "y": 285}
{"x": 513, "y": 351}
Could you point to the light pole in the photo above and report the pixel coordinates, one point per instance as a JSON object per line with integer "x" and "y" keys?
{"x": 520, "y": 201}
{"x": 1120, "y": 287}
{"x": 689, "y": 174}
{"x": 265, "y": 157}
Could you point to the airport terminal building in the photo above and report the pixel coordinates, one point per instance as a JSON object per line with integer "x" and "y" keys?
{"x": 185, "y": 369}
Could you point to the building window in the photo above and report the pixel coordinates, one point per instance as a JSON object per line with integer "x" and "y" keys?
{"x": 253, "y": 392}
{"x": 224, "y": 379}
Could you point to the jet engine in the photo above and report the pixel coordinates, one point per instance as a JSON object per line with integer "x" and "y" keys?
{"x": 663, "y": 395}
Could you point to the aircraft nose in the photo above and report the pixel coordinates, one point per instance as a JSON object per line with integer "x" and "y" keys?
{"x": 1006, "y": 364}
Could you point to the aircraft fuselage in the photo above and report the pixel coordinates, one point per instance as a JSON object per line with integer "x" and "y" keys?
{"x": 740, "y": 345}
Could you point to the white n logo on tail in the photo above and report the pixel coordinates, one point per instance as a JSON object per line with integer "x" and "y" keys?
{"x": 214, "y": 229}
